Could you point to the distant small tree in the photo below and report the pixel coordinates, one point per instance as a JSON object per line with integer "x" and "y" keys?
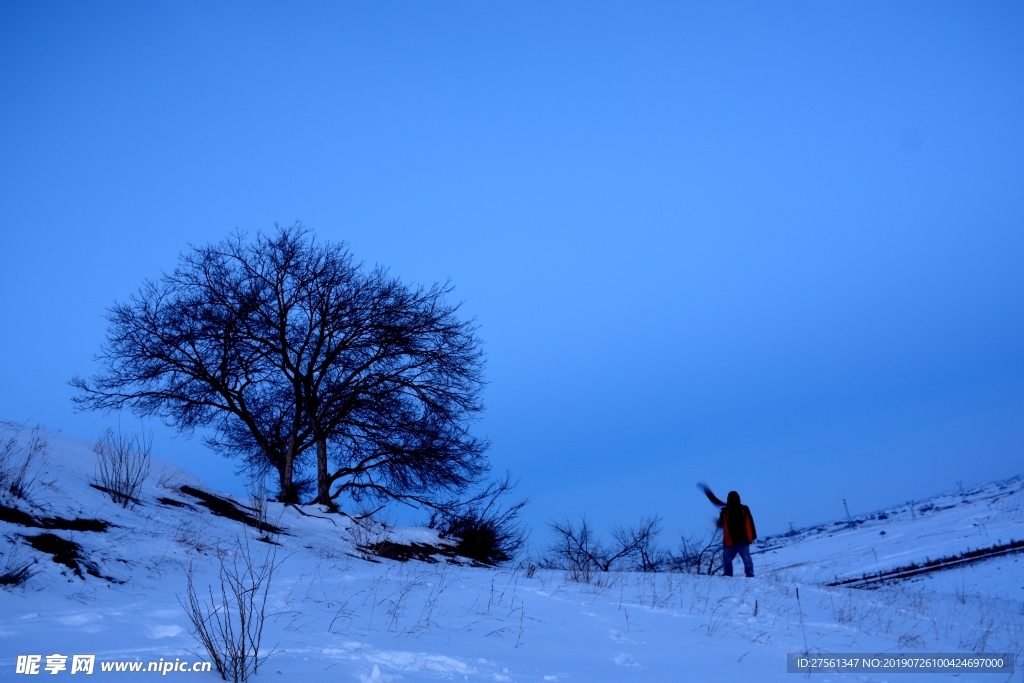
{"x": 640, "y": 543}
{"x": 699, "y": 553}
{"x": 287, "y": 347}
{"x": 575, "y": 549}
{"x": 581, "y": 553}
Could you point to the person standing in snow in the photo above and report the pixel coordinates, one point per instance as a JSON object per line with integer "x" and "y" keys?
{"x": 738, "y": 531}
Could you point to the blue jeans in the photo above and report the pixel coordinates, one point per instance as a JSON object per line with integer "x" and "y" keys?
{"x": 743, "y": 550}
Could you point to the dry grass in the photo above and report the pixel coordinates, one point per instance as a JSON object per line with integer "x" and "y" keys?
{"x": 17, "y": 461}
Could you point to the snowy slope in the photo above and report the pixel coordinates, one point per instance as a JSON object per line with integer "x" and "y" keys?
{"x": 944, "y": 526}
{"x": 340, "y": 616}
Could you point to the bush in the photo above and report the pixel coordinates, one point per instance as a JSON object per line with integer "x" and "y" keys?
{"x": 230, "y": 626}
{"x": 483, "y": 530}
{"x": 122, "y": 465}
{"x": 491, "y": 540}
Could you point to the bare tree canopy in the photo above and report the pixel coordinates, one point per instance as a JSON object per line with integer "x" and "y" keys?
{"x": 296, "y": 355}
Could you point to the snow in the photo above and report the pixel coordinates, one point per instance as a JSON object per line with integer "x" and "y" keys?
{"x": 341, "y": 615}
{"x": 943, "y": 526}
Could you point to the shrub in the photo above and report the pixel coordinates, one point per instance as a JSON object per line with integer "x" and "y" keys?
{"x": 484, "y": 531}
{"x": 16, "y": 473}
{"x": 487, "y": 539}
{"x": 230, "y": 625}
{"x": 15, "y": 571}
{"x": 122, "y": 465}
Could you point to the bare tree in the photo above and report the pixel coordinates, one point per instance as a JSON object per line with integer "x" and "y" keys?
{"x": 639, "y": 543}
{"x": 178, "y": 349}
{"x": 699, "y": 553}
{"x": 581, "y": 553}
{"x": 286, "y": 345}
{"x": 576, "y": 550}
{"x": 385, "y": 376}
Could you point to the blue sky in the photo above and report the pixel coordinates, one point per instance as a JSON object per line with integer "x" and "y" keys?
{"x": 774, "y": 248}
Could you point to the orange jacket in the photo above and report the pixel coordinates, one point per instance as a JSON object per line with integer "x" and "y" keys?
{"x": 737, "y": 525}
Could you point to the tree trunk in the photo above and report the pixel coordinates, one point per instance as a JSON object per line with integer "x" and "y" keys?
{"x": 323, "y": 481}
{"x": 288, "y": 494}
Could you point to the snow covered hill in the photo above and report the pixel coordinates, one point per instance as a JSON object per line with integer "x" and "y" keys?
{"x": 977, "y": 533}
{"x": 109, "y": 581}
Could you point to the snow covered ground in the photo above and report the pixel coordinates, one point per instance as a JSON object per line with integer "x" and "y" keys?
{"x": 338, "y": 615}
{"x": 946, "y": 525}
